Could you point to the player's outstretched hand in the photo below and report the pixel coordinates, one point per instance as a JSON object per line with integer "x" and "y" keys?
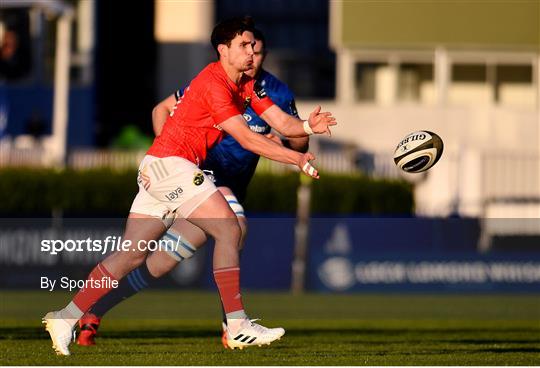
{"x": 320, "y": 122}
{"x": 306, "y": 167}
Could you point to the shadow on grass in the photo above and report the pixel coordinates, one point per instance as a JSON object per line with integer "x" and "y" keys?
{"x": 38, "y": 333}
{"x": 33, "y": 333}
{"x": 493, "y": 341}
{"x": 510, "y": 350}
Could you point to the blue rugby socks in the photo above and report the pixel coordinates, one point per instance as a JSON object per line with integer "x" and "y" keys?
{"x": 139, "y": 279}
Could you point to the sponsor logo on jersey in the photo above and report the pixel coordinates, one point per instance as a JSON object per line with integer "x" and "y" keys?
{"x": 175, "y": 194}
{"x": 257, "y": 128}
{"x": 261, "y": 93}
{"x": 198, "y": 179}
{"x": 292, "y": 107}
{"x": 210, "y": 175}
{"x": 247, "y": 101}
{"x": 259, "y": 90}
{"x": 247, "y": 117}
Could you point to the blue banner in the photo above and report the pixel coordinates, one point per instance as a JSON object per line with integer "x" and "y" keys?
{"x": 413, "y": 255}
{"x": 344, "y": 255}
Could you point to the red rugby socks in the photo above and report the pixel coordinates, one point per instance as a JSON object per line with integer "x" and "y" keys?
{"x": 228, "y": 282}
{"x": 99, "y": 283}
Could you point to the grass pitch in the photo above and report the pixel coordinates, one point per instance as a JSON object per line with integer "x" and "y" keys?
{"x": 183, "y": 328}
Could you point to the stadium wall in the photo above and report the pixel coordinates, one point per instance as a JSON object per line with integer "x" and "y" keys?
{"x": 345, "y": 255}
{"x": 465, "y": 24}
{"x": 484, "y": 146}
{"x": 37, "y": 119}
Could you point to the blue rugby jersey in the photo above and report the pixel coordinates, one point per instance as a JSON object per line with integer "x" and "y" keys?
{"x": 233, "y": 166}
{"x": 229, "y": 152}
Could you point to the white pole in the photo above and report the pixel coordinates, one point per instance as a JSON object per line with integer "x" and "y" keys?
{"x": 61, "y": 87}
{"x": 537, "y": 72}
{"x": 301, "y": 235}
{"x": 85, "y": 37}
{"x": 442, "y": 74}
{"x": 345, "y": 91}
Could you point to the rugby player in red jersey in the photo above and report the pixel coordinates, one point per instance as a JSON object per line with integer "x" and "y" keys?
{"x": 231, "y": 168}
{"x": 172, "y": 184}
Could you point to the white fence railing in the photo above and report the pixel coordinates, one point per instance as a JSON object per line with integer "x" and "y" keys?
{"x": 119, "y": 160}
{"x": 13, "y": 157}
{"x": 511, "y": 196}
{"x": 505, "y": 177}
{"x": 510, "y": 176}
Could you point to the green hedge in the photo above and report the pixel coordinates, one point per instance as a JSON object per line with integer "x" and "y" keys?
{"x": 332, "y": 194}
{"x": 37, "y": 192}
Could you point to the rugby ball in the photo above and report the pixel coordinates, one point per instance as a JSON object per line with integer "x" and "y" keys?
{"x": 418, "y": 151}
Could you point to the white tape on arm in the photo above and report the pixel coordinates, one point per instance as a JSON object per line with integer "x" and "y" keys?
{"x": 308, "y": 169}
{"x": 307, "y": 128}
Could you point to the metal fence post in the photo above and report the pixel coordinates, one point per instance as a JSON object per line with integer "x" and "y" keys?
{"x": 301, "y": 232}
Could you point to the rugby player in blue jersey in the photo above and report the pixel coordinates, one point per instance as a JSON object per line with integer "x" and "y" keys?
{"x": 231, "y": 168}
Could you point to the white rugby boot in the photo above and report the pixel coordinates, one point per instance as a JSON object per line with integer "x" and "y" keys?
{"x": 251, "y": 334}
{"x": 61, "y": 332}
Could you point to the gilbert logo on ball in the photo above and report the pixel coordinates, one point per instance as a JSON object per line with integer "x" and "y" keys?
{"x": 418, "y": 151}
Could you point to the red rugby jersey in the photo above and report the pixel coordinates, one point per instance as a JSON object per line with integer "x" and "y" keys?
{"x": 211, "y": 98}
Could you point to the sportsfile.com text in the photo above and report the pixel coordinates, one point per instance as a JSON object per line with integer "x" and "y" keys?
{"x": 103, "y": 246}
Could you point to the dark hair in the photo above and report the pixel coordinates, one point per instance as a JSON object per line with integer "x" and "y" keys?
{"x": 226, "y": 30}
{"x": 257, "y": 33}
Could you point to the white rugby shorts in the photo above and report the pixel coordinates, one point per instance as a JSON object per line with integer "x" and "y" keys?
{"x": 170, "y": 186}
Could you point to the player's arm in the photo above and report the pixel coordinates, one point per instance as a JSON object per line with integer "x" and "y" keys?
{"x": 236, "y": 126}
{"x": 161, "y": 111}
{"x": 290, "y": 126}
{"x": 297, "y": 144}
